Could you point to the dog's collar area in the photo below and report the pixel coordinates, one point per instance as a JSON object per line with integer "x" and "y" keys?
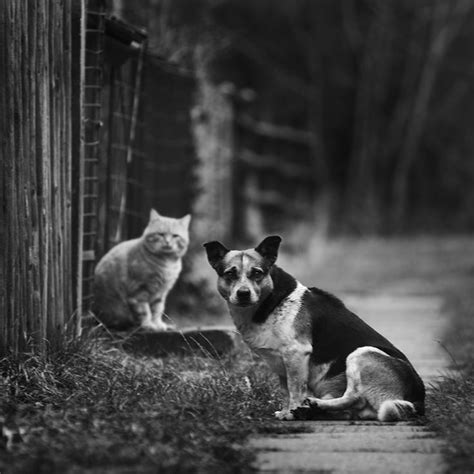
{"x": 283, "y": 285}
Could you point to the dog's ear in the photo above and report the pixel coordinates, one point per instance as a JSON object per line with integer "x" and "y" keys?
{"x": 215, "y": 252}
{"x": 268, "y": 248}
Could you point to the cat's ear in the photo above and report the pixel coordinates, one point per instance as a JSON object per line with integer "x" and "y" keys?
{"x": 186, "y": 220}
{"x": 268, "y": 248}
{"x": 215, "y": 253}
{"x": 154, "y": 215}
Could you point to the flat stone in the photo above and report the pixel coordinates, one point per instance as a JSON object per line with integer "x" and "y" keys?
{"x": 350, "y": 462}
{"x": 391, "y": 442}
{"x": 210, "y": 341}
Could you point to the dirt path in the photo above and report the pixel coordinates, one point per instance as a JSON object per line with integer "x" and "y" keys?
{"x": 415, "y": 325}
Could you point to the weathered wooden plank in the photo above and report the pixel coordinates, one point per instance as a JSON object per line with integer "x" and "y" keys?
{"x": 254, "y": 197}
{"x": 57, "y": 304}
{"x": 12, "y": 333}
{"x": 35, "y": 316}
{"x": 77, "y": 155}
{"x": 35, "y": 115}
{"x": 39, "y": 108}
{"x": 3, "y": 162}
{"x": 276, "y": 164}
{"x": 21, "y": 183}
{"x": 270, "y": 130}
{"x": 25, "y": 141}
{"x": 67, "y": 175}
{"x": 45, "y": 164}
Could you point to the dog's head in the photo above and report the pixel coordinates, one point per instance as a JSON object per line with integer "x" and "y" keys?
{"x": 244, "y": 275}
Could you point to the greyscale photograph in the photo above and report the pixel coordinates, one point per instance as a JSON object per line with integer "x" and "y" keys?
{"x": 236, "y": 236}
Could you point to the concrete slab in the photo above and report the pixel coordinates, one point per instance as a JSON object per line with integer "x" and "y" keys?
{"x": 373, "y": 441}
{"x": 212, "y": 341}
{"x": 350, "y": 462}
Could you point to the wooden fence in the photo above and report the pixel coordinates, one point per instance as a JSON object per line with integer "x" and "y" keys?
{"x": 38, "y": 112}
{"x": 275, "y": 176}
{"x": 257, "y": 175}
{"x": 94, "y": 131}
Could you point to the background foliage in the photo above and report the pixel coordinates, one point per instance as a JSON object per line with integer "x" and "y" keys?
{"x": 385, "y": 88}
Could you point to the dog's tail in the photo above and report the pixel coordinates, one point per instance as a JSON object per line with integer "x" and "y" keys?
{"x": 396, "y": 410}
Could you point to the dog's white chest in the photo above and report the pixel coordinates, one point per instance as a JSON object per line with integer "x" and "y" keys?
{"x": 276, "y": 335}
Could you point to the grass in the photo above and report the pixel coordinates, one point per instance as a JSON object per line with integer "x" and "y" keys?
{"x": 93, "y": 408}
{"x": 452, "y": 399}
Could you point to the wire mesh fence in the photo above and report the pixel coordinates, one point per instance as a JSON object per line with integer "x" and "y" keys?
{"x": 92, "y": 124}
{"x": 140, "y": 138}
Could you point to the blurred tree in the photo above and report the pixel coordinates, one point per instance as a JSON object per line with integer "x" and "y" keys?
{"x": 385, "y": 87}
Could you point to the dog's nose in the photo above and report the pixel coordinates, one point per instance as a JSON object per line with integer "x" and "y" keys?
{"x": 243, "y": 294}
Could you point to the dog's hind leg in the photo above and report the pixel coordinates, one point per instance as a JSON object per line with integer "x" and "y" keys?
{"x": 352, "y": 396}
{"x": 375, "y": 388}
{"x": 347, "y": 401}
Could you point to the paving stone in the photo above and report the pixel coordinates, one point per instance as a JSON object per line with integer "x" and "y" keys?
{"x": 350, "y": 462}
{"x": 209, "y": 341}
{"x": 350, "y": 442}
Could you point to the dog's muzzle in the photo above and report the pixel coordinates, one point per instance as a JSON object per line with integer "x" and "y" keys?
{"x": 244, "y": 296}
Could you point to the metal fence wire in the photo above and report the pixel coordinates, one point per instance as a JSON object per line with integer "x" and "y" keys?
{"x": 92, "y": 123}
{"x": 140, "y": 134}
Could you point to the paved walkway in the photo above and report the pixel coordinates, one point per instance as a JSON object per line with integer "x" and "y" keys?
{"x": 415, "y": 325}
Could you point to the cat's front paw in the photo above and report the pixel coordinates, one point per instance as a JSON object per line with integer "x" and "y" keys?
{"x": 169, "y": 327}
{"x": 159, "y": 327}
{"x": 284, "y": 415}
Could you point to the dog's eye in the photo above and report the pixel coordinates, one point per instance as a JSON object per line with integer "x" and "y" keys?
{"x": 256, "y": 273}
{"x": 230, "y": 274}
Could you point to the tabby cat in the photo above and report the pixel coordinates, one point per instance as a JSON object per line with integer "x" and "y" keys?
{"x": 133, "y": 279}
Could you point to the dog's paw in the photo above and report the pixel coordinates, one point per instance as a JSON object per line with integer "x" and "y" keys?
{"x": 310, "y": 402}
{"x": 302, "y": 413}
{"x": 284, "y": 415}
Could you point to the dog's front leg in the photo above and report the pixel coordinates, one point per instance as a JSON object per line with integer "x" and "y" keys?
{"x": 284, "y": 390}
{"x": 296, "y": 366}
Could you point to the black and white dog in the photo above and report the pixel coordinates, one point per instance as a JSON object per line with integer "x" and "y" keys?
{"x": 325, "y": 356}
